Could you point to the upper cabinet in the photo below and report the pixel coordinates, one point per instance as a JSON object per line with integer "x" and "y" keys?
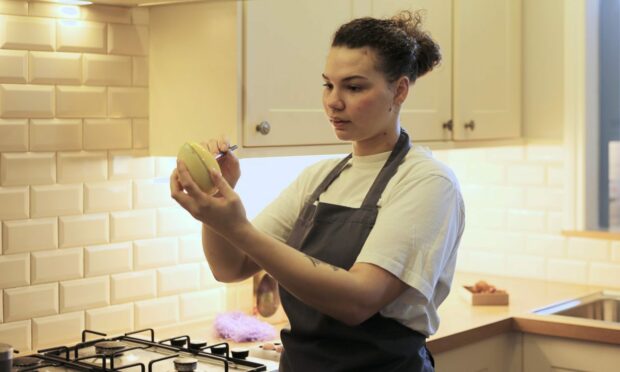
{"x": 473, "y": 95}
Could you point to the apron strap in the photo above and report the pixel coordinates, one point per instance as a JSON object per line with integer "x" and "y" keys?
{"x": 331, "y": 177}
{"x": 389, "y": 169}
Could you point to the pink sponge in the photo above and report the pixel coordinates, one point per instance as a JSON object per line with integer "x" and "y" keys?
{"x": 241, "y": 327}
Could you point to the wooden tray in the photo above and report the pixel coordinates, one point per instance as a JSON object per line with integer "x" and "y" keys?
{"x": 484, "y": 299}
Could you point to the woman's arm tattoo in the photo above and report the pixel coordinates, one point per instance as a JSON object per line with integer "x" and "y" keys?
{"x": 316, "y": 263}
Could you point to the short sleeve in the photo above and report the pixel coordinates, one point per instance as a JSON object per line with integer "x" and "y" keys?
{"x": 417, "y": 230}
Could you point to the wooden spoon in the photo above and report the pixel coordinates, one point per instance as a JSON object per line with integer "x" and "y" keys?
{"x": 267, "y": 296}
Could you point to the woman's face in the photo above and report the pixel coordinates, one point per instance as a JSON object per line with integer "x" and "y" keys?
{"x": 360, "y": 103}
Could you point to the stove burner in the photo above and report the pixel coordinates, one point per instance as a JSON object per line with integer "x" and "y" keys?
{"x": 185, "y": 364}
{"x": 107, "y": 348}
{"x": 26, "y": 362}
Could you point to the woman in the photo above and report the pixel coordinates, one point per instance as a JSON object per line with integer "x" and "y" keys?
{"x": 363, "y": 248}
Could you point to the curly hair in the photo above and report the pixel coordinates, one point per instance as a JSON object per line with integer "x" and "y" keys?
{"x": 402, "y": 47}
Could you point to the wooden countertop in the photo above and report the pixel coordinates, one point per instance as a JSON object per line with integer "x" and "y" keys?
{"x": 462, "y": 323}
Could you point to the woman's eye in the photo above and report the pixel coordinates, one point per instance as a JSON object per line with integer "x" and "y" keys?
{"x": 354, "y": 88}
{"x": 328, "y": 86}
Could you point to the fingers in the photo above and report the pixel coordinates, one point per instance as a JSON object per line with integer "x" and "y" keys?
{"x": 217, "y": 145}
{"x": 176, "y": 191}
{"x": 187, "y": 182}
{"x": 221, "y": 184}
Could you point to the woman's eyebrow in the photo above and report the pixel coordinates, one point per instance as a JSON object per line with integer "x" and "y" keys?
{"x": 348, "y": 77}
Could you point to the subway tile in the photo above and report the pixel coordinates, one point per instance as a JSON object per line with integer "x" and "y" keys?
{"x": 151, "y": 194}
{"x": 555, "y": 222}
{"x": 55, "y": 134}
{"x": 52, "y": 10}
{"x": 18, "y": 334}
{"x": 29, "y": 235}
{"x": 525, "y": 266}
{"x": 604, "y": 274}
{"x": 26, "y": 101}
{"x": 13, "y": 135}
{"x": 55, "y": 265}
{"x": 128, "y": 102}
{"x": 14, "y": 7}
{"x": 81, "y": 36}
{"x": 487, "y": 173}
{"x": 615, "y": 251}
{"x": 108, "y": 259}
{"x": 207, "y": 280}
{"x": 526, "y": 220}
{"x": 545, "y": 153}
{"x": 107, "y": 196}
{"x": 133, "y": 286}
{"x": 140, "y": 133}
{"x": 29, "y": 302}
{"x": 14, "y": 270}
{"x": 176, "y": 221}
{"x": 14, "y": 203}
{"x": 88, "y": 229}
{"x": 107, "y": 14}
{"x": 489, "y": 262}
{"x": 555, "y": 175}
{"x": 568, "y": 271}
{"x": 190, "y": 248}
{"x": 486, "y": 217}
{"x": 526, "y": 174}
{"x": 29, "y": 168}
{"x": 548, "y": 245}
{"x": 82, "y": 166}
{"x": 152, "y": 253}
{"x": 84, "y": 294}
{"x": 81, "y": 102}
{"x": 505, "y": 154}
{"x": 204, "y": 304}
{"x": 27, "y": 33}
{"x": 63, "y": 329}
{"x": 104, "y": 134}
{"x": 13, "y": 66}
{"x": 128, "y": 39}
{"x": 1, "y": 314}
{"x": 239, "y": 296}
{"x": 56, "y": 200}
{"x": 131, "y": 225}
{"x": 102, "y": 69}
{"x": 127, "y": 165}
{"x": 55, "y": 68}
{"x": 117, "y": 319}
{"x": 544, "y": 198}
{"x": 157, "y": 312}
{"x": 140, "y": 71}
{"x": 178, "y": 279}
{"x": 140, "y": 16}
{"x": 164, "y": 165}
{"x": 588, "y": 249}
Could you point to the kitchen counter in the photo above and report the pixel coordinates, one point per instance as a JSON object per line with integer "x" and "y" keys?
{"x": 462, "y": 323}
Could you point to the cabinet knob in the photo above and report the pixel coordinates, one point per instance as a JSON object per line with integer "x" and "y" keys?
{"x": 263, "y": 128}
{"x": 470, "y": 125}
{"x": 447, "y": 125}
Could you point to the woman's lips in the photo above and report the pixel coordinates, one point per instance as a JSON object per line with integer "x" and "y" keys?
{"x": 339, "y": 122}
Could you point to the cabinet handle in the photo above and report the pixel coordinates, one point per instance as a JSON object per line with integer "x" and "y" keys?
{"x": 470, "y": 125}
{"x": 263, "y": 128}
{"x": 447, "y": 125}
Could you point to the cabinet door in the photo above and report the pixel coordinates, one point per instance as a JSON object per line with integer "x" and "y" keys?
{"x": 487, "y": 64}
{"x": 547, "y": 354}
{"x": 429, "y": 104}
{"x": 285, "y": 47}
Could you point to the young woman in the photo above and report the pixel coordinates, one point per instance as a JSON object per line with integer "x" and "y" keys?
{"x": 363, "y": 248}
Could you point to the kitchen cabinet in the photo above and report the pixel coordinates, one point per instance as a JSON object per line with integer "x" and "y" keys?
{"x": 473, "y": 95}
{"x": 546, "y": 353}
{"x": 502, "y": 352}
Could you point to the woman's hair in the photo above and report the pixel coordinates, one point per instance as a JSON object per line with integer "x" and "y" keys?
{"x": 403, "y": 49}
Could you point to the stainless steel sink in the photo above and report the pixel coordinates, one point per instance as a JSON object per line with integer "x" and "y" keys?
{"x": 604, "y": 305}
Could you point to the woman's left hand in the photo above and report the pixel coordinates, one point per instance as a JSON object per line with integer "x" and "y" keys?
{"x": 223, "y": 212}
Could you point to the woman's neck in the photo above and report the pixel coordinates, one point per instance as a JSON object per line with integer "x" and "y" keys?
{"x": 382, "y": 142}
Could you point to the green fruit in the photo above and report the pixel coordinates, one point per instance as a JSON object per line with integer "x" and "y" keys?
{"x": 198, "y": 161}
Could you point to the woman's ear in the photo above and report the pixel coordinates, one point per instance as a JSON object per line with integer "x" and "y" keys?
{"x": 402, "y": 90}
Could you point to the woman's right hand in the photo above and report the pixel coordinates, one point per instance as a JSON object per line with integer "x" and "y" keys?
{"x": 229, "y": 163}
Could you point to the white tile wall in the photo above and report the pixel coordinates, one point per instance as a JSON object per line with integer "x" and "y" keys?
{"x": 107, "y": 196}
{"x": 81, "y": 102}
{"x": 130, "y": 225}
{"x": 178, "y": 279}
{"x": 57, "y": 264}
{"x": 190, "y": 248}
{"x": 140, "y": 133}
{"x": 151, "y": 194}
{"x": 14, "y": 203}
{"x": 604, "y": 274}
{"x": 103, "y": 13}
{"x": 157, "y": 312}
{"x": 27, "y": 33}
{"x": 17, "y": 334}
{"x": 15, "y": 270}
{"x": 84, "y": 294}
{"x": 84, "y": 230}
{"x": 13, "y": 66}
{"x": 81, "y": 36}
{"x": 128, "y": 102}
{"x": 41, "y": 9}
{"x": 588, "y": 249}
{"x": 140, "y": 71}
{"x": 56, "y": 200}
{"x": 152, "y": 253}
{"x": 55, "y": 68}
{"x": 107, "y": 134}
{"x": 108, "y": 259}
{"x": 131, "y": 165}
{"x": 82, "y": 166}
{"x": 16, "y": 7}
{"x": 615, "y": 251}
{"x": 63, "y": 329}
{"x": 26, "y": 101}
{"x": 29, "y": 302}
{"x": 134, "y": 286}
{"x": 13, "y": 135}
{"x": 176, "y": 221}
{"x": 204, "y": 304}
{"x": 55, "y": 134}
{"x": 29, "y": 235}
{"x": 207, "y": 280}
{"x": 116, "y": 319}
{"x": 128, "y": 40}
{"x": 102, "y": 69}
{"x": 27, "y": 168}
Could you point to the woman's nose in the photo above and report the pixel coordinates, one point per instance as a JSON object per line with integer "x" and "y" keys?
{"x": 334, "y": 101}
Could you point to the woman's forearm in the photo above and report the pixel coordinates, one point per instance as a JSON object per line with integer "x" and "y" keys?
{"x": 227, "y": 263}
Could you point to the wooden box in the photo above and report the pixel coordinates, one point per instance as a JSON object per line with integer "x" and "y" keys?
{"x": 499, "y": 297}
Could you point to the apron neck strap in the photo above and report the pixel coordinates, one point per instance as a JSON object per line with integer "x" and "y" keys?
{"x": 330, "y": 178}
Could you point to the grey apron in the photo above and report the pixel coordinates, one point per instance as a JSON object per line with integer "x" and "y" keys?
{"x": 335, "y": 234}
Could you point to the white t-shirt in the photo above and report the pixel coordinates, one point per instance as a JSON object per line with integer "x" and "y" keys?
{"x": 419, "y": 225}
